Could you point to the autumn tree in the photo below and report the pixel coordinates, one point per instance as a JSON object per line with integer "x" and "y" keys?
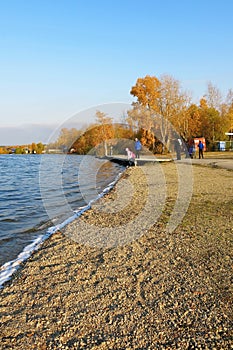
{"x": 173, "y": 104}
{"x": 192, "y": 122}
{"x": 67, "y": 137}
{"x": 140, "y": 117}
{"x": 215, "y": 114}
{"x": 105, "y": 129}
{"x": 213, "y": 122}
{"x": 147, "y": 91}
{"x": 213, "y": 97}
{"x": 39, "y": 147}
{"x": 3, "y": 150}
{"x": 147, "y": 139}
{"x": 210, "y": 119}
{"x": 160, "y": 105}
{"x": 123, "y": 131}
{"x": 33, "y": 147}
{"x": 227, "y": 111}
{"x": 87, "y": 141}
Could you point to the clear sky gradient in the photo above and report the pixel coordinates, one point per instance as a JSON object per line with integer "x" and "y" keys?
{"x": 60, "y": 57}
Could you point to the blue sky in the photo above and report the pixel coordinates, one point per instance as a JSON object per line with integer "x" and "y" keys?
{"x": 60, "y": 57}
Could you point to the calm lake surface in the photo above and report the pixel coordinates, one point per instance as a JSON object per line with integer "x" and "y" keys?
{"x": 40, "y": 191}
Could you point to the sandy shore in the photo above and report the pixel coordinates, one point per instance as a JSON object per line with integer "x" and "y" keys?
{"x": 118, "y": 278}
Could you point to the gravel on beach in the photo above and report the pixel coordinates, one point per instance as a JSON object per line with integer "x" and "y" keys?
{"x": 118, "y": 278}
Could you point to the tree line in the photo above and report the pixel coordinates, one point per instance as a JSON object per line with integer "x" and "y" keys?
{"x": 161, "y": 110}
{"x": 23, "y": 149}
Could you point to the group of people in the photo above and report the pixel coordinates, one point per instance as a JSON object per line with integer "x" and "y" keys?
{"x": 191, "y": 149}
{"x": 133, "y": 156}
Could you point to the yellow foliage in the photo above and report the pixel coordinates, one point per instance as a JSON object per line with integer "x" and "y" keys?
{"x": 147, "y": 90}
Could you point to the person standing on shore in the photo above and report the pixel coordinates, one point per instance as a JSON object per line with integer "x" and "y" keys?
{"x": 177, "y": 147}
{"x": 138, "y": 147}
{"x": 201, "y": 148}
{"x": 192, "y": 150}
{"x": 131, "y": 157}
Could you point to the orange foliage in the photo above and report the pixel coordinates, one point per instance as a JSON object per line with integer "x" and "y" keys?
{"x": 147, "y": 90}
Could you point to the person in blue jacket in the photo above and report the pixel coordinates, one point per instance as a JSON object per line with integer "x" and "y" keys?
{"x": 138, "y": 147}
{"x": 201, "y": 149}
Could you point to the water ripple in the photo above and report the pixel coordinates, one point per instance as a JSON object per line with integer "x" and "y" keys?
{"x": 22, "y": 214}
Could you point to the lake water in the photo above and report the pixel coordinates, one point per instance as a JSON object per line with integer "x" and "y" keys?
{"x": 40, "y": 191}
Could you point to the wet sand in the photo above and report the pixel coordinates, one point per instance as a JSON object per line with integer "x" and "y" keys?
{"x": 117, "y": 278}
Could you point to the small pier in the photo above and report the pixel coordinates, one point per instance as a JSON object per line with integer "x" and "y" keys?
{"x": 123, "y": 160}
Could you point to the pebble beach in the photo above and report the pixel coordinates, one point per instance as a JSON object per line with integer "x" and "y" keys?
{"x": 118, "y": 278}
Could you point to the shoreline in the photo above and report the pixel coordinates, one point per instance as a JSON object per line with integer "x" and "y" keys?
{"x": 9, "y": 268}
{"x": 170, "y": 290}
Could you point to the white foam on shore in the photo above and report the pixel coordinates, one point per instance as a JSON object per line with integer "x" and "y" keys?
{"x": 9, "y": 268}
